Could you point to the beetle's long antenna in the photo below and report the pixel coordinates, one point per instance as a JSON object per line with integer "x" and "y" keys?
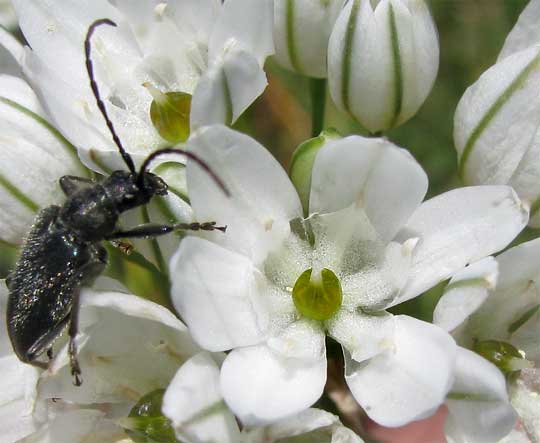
{"x": 90, "y": 68}
{"x": 187, "y": 154}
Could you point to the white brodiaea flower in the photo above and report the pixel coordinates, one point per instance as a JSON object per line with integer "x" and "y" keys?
{"x": 379, "y": 246}
{"x": 500, "y": 320}
{"x": 210, "y": 49}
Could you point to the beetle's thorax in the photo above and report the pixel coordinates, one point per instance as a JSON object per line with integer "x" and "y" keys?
{"x": 89, "y": 214}
{"x": 92, "y": 213}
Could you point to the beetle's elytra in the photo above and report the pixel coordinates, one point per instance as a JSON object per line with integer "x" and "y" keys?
{"x": 63, "y": 250}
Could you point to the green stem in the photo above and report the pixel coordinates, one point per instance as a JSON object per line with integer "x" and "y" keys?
{"x": 317, "y": 90}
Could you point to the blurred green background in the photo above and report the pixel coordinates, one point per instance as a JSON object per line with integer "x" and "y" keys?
{"x": 471, "y": 33}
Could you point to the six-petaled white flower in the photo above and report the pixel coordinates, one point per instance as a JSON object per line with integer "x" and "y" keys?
{"x": 211, "y": 50}
{"x": 369, "y": 243}
{"x": 493, "y": 307}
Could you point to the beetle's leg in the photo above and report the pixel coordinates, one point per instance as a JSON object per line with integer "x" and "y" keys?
{"x": 124, "y": 246}
{"x": 72, "y": 331}
{"x": 9, "y": 279}
{"x": 71, "y": 183}
{"x": 155, "y": 230}
{"x": 94, "y": 267}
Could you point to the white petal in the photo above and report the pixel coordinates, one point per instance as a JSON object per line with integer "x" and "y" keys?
{"x": 479, "y": 410}
{"x": 18, "y": 408}
{"x": 12, "y": 55}
{"x": 262, "y": 201}
{"x": 129, "y": 346}
{"x": 302, "y": 339}
{"x": 247, "y": 22}
{"x": 457, "y": 228}
{"x": 418, "y": 53}
{"x": 199, "y": 16}
{"x": 385, "y": 179}
{"x": 495, "y": 121}
{"x": 78, "y": 426}
{"x": 408, "y": 382}
{"x": 515, "y": 436}
{"x": 525, "y": 397}
{"x": 465, "y": 293}
{"x": 363, "y": 336}
{"x": 525, "y": 33}
{"x": 519, "y": 265}
{"x": 34, "y": 157}
{"x": 304, "y": 422}
{"x": 194, "y": 404}
{"x": 219, "y": 294}
{"x": 227, "y": 88}
{"x": 261, "y": 386}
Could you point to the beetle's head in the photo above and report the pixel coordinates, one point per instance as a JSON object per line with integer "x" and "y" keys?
{"x": 129, "y": 191}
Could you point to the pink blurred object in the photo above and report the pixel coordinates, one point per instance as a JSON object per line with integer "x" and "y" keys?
{"x": 430, "y": 430}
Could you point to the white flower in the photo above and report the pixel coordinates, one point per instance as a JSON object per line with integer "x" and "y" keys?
{"x": 497, "y": 119}
{"x": 206, "y": 48}
{"x": 368, "y": 227}
{"x": 507, "y": 310}
{"x": 301, "y": 32}
{"x": 34, "y": 155}
{"x": 195, "y": 406}
{"x": 493, "y": 307}
{"x": 382, "y": 62}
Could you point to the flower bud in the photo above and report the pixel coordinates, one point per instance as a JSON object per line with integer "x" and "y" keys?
{"x": 301, "y": 32}
{"x": 382, "y": 62}
{"x": 302, "y": 164}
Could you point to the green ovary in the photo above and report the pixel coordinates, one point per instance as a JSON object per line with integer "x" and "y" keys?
{"x": 503, "y": 355}
{"x": 146, "y": 423}
{"x": 317, "y": 297}
{"x": 170, "y": 113}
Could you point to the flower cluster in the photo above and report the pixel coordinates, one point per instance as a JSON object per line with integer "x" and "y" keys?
{"x": 233, "y": 335}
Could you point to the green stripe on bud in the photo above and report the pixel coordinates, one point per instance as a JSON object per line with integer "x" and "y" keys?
{"x": 146, "y": 423}
{"x": 170, "y": 113}
{"x": 317, "y": 295}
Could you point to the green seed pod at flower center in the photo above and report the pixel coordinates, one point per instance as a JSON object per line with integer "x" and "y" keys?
{"x": 170, "y": 113}
{"x": 146, "y": 423}
{"x": 503, "y": 355}
{"x": 317, "y": 296}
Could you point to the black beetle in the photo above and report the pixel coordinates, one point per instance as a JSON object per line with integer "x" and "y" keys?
{"x": 63, "y": 250}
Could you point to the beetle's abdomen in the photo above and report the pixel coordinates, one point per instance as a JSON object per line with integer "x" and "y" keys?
{"x": 42, "y": 284}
